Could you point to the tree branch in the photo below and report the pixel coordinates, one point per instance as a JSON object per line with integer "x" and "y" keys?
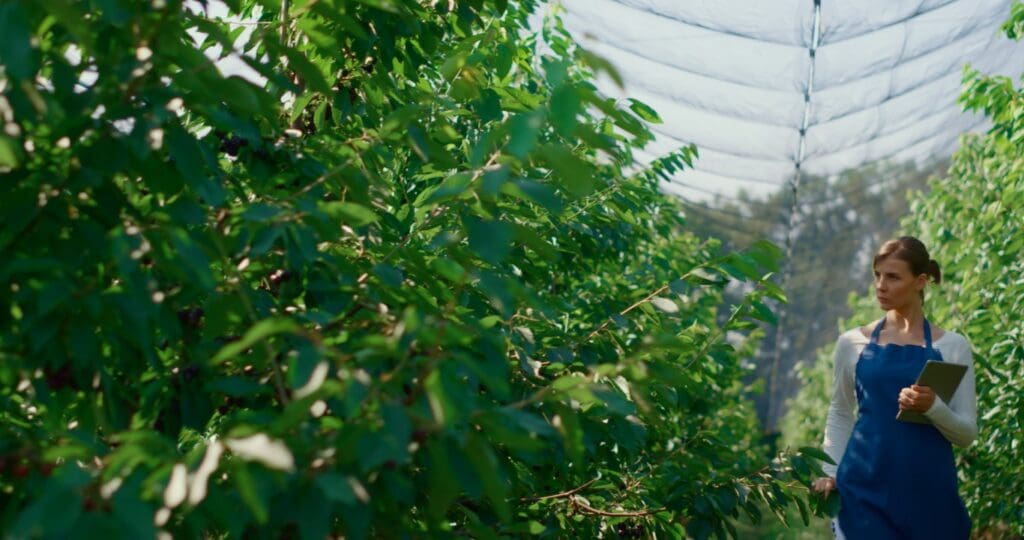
{"x": 562, "y": 494}
{"x": 587, "y": 509}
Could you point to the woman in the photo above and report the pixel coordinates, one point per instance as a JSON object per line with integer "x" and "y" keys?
{"x": 898, "y": 479}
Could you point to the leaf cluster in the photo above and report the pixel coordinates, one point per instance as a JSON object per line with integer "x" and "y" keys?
{"x": 409, "y": 282}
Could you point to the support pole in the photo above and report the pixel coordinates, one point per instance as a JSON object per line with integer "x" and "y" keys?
{"x": 794, "y": 185}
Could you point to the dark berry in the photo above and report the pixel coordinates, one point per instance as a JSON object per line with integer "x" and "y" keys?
{"x": 231, "y": 145}
{"x": 58, "y": 378}
{"x": 190, "y": 372}
{"x": 191, "y": 318}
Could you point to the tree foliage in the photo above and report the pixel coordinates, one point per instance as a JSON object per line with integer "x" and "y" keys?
{"x": 971, "y": 221}
{"x": 409, "y": 284}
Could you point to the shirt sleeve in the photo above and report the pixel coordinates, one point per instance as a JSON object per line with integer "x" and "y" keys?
{"x": 958, "y": 420}
{"x": 840, "y": 419}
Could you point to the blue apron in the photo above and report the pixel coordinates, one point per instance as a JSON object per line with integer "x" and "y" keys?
{"x": 896, "y": 479}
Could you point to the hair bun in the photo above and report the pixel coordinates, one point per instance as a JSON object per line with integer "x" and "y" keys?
{"x": 934, "y": 270}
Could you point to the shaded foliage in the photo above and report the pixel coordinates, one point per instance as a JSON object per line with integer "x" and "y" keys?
{"x": 409, "y": 284}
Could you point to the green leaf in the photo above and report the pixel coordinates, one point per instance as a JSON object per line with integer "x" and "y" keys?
{"x": 572, "y": 432}
{"x": 832, "y": 503}
{"x": 441, "y": 407}
{"x": 699, "y": 528}
{"x": 448, "y": 269}
{"x": 453, "y": 65}
{"x": 524, "y": 130}
{"x": 490, "y": 321}
{"x": 762, "y": 313}
{"x": 542, "y": 194}
{"x": 804, "y": 514}
{"x": 601, "y": 64}
{"x": 258, "y": 332}
{"x": 486, "y": 465}
{"x": 816, "y": 453}
{"x": 351, "y": 213}
{"x": 565, "y": 105}
{"x": 566, "y": 382}
{"x": 10, "y": 152}
{"x": 767, "y": 254}
{"x": 726, "y": 500}
{"x": 452, "y": 187}
{"x": 665, "y": 304}
{"x": 489, "y": 105}
{"x": 575, "y": 174}
{"x": 310, "y": 73}
{"x": 491, "y": 240}
{"x": 187, "y": 157}
{"x": 644, "y": 111}
{"x": 19, "y": 58}
{"x": 235, "y": 386}
{"x": 250, "y": 493}
{"x": 746, "y": 267}
{"x": 444, "y": 486}
{"x": 800, "y": 466}
{"x": 389, "y": 275}
{"x": 260, "y": 212}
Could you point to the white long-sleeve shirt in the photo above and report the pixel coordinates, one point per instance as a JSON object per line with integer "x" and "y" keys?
{"x": 957, "y": 421}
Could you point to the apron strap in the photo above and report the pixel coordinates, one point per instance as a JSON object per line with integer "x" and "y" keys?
{"x": 927, "y": 334}
{"x": 877, "y": 330}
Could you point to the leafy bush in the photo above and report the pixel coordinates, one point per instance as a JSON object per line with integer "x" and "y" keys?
{"x": 411, "y": 285}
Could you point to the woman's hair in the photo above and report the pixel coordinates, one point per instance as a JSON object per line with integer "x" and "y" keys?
{"x": 912, "y": 251}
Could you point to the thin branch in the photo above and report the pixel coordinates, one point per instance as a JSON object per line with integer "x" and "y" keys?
{"x": 533, "y": 398}
{"x": 236, "y": 22}
{"x": 282, "y": 391}
{"x": 579, "y": 503}
{"x": 627, "y": 310}
{"x": 648, "y": 298}
{"x": 284, "y": 22}
{"x": 562, "y": 494}
{"x": 587, "y": 509}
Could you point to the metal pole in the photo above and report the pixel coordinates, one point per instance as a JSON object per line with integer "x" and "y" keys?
{"x": 794, "y": 185}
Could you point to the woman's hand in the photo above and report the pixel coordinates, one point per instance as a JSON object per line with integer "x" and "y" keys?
{"x": 824, "y": 485}
{"x": 916, "y": 398}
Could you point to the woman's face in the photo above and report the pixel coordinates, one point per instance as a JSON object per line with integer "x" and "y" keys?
{"x": 895, "y": 286}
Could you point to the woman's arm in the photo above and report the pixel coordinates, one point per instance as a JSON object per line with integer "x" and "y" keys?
{"x": 840, "y": 419}
{"x": 958, "y": 421}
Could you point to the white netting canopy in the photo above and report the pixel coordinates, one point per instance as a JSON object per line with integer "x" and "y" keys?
{"x": 762, "y": 87}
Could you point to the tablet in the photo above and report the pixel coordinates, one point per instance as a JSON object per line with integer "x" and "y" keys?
{"x": 943, "y": 378}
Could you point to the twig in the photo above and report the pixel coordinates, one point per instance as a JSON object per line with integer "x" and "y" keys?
{"x": 535, "y": 397}
{"x": 438, "y": 210}
{"x": 597, "y": 512}
{"x": 661, "y": 289}
{"x": 237, "y": 22}
{"x": 719, "y": 332}
{"x": 627, "y": 310}
{"x": 284, "y": 22}
{"x": 282, "y": 391}
{"x": 578, "y": 502}
{"x": 562, "y": 494}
